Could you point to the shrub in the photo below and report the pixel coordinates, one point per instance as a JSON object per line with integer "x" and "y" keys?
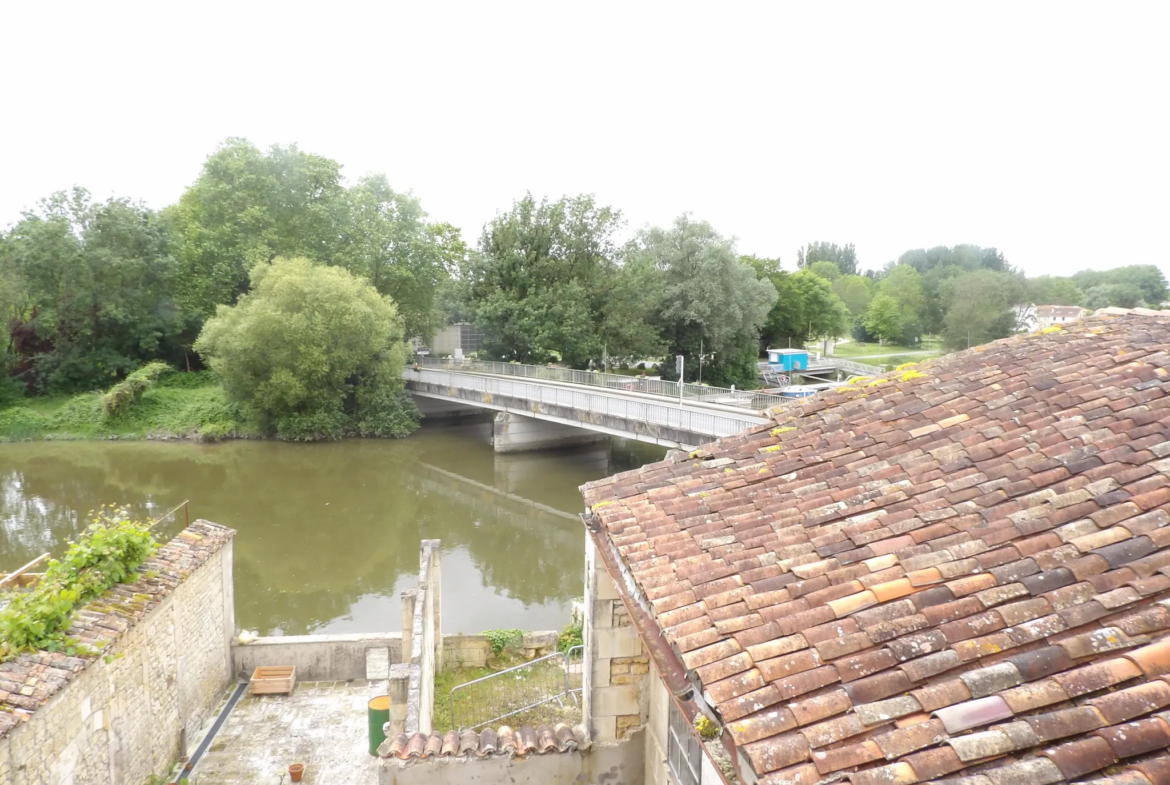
{"x": 310, "y": 353}
{"x": 119, "y": 399}
{"x": 108, "y": 552}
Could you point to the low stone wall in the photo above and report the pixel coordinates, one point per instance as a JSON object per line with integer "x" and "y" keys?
{"x": 609, "y": 764}
{"x": 343, "y": 657}
{"x": 317, "y": 657}
{"x": 475, "y": 651}
{"x": 122, "y": 717}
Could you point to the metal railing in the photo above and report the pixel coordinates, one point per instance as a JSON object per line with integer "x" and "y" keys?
{"x": 697, "y": 393}
{"x": 849, "y": 366}
{"x": 633, "y": 409}
{"x": 555, "y": 678}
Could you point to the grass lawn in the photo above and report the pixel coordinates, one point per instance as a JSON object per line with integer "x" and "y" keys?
{"x": 860, "y": 350}
{"x": 524, "y": 685}
{"x": 179, "y": 405}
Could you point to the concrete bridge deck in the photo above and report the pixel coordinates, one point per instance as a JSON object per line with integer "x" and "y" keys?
{"x": 629, "y": 414}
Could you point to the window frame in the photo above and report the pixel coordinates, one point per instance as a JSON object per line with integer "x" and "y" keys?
{"x": 684, "y": 751}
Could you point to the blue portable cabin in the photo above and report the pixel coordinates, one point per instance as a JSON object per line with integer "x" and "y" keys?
{"x": 788, "y": 359}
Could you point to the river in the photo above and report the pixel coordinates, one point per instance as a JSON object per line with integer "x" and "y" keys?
{"x": 329, "y": 533}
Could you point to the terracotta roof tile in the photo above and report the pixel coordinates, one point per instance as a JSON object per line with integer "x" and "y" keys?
{"x": 991, "y": 544}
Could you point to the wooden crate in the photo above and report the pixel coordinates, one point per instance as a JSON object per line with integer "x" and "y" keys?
{"x": 273, "y": 680}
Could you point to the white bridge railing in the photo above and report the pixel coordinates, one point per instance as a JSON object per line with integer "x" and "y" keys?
{"x": 747, "y": 399}
{"x": 608, "y": 404}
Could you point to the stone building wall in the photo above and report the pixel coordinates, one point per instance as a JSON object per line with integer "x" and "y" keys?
{"x": 121, "y": 717}
{"x": 617, "y": 665}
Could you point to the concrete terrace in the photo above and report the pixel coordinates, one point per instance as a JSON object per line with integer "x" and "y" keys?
{"x": 321, "y": 724}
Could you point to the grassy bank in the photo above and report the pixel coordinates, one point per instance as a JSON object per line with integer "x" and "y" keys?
{"x": 177, "y": 405}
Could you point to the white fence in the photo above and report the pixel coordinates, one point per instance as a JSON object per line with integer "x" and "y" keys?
{"x": 612, "y": 405}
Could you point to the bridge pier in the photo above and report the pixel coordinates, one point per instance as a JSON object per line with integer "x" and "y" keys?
{"x": 517, "y": 433}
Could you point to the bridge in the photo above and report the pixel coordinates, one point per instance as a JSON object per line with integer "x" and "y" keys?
{"x": 550, "y": 407}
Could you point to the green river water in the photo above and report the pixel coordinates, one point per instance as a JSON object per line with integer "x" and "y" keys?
{"x": 329, "y": 533}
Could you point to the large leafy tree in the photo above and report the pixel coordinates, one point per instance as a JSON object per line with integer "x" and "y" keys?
{"x": 1147, "y": 278}
{"x": 312, "y": 352}
{"x": 855, "y": 291}
{"x": 546, "y": 279}
{"x": 87, "y": 292}
{"x": 710, "y": 299}
{"x": 845, "y": 257}
{"x": 388, "y": 241}
{"x": 983, "y": 307}
{"x": 247, "y": 207}
{"x": 1052, "y": 290}
{"x": 806, "y": 308}
{"x": 1118, "y": 295}
{"x": 884, "y": 318}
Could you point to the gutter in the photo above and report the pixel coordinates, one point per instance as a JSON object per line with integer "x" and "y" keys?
{"x": 685, "y": 689}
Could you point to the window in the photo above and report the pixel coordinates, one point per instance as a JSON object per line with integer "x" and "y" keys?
{"x": 684, "y": 751}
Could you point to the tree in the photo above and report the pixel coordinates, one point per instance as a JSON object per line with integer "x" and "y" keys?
{"x": 88, "y": 292}
{"x": 806, "y": 309}
{"x": 1052, "y": 290}
{"x": 845, "y": 257}
{"x": 546, "y": 279}
{"x": 982, "y": 307}
{"x": 1118, "y": 295}
{"x": 904, "y": 286}
{"x": 248, "y": 207}
{"x": 884, "y": 318}
{"x": 387, "y": 240}
{"x": 855, "y": 291}
{"x": 827, "y": 270}
{"x": 1146, "y": 277}
{"x": 709, "y": 298}
{"x": 312, "y": 352}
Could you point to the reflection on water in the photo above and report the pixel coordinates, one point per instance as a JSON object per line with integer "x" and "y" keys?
{"x": 329, "y": 533}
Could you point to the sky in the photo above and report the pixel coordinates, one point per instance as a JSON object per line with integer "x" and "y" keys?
{"x": 1040, "y": 128}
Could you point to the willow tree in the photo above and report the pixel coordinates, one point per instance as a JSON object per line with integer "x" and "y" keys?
{"x": 312, "y": 352}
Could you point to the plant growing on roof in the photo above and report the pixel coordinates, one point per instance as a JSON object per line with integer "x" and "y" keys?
{"x": 108, "y": 552}
{"x": 707, "y": 729}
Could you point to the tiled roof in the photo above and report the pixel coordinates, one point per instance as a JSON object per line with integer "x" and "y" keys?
{"x": 28, "y": 681}
{"x": 961, "y": 569}
{"x": 520, "y": 742}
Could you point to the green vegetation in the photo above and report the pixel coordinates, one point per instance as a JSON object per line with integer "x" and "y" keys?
{"x": 177, "y": 405}
{"x": 502, "y": 639}
{"x": 572, "y": 635}
{"x": 445, "y": 681}
{"x": 311, "y": 352}
{"x": 108, "y": 552}
{"x": 94, "y": 292}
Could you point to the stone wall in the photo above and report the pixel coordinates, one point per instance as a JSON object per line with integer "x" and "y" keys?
{"x": 474, "y": 651}
{"x": 318, "y": 657}
{"x": 119, "y": 718}
{"x": 617, "y": 666}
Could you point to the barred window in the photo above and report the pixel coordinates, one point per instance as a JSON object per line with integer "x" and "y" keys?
{"x": 684, "y": 751}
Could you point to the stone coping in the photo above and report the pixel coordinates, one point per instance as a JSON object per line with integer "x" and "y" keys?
{"x": 30, "y": 680}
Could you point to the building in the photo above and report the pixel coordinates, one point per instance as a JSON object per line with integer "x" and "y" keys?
{"x": 454, "y": 338}
{"x": 959, "y": 572}
{"x": 788, "y": 359}
{"x": 1048, "y": 315}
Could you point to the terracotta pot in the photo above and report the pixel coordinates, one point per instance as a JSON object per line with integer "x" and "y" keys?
{"x": 295, "y": 771}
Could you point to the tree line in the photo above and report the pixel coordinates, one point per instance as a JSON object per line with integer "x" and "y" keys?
{"x": 90, "y": 290}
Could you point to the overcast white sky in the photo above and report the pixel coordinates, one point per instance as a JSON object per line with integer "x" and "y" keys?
{"x": 1041, "y": 128}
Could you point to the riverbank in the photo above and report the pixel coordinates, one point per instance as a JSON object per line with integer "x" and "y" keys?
{"x": 177, "y": 406}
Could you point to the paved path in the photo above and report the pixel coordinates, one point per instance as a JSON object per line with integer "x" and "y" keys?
{"x": 321, "y": 724}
